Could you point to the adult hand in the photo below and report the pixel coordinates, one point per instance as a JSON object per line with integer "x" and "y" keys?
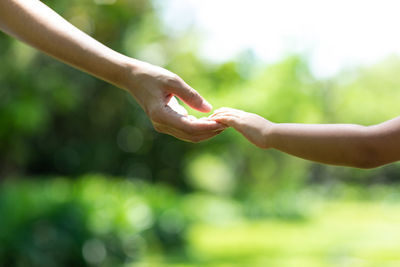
{"x": 154, "y": 89}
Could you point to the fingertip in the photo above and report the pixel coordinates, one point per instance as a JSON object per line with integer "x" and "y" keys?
{"x": 220, "y": 120}
{"x": 194, "y": 100}
{"x": 212, "y": 115}
{"x": 206, "y": 106}
{"x": 217, "y": 112}
{"x": 227, "y": 121}
{"x": 217, "y": 124}
{"x": 209, "y": 125}
{"x": 221, "y": 126}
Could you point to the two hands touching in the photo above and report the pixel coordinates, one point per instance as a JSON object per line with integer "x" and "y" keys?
{"x": 255, "y": 128}
{"x": 156, "y": 89}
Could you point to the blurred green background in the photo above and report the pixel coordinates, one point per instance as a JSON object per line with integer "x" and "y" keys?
{"x": 86, "y": 181}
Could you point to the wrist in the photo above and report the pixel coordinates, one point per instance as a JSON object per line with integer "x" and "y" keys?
{"x": 136, "y": 73}
{"x": 130, "y": 67}
{"x": 111, "y": 67}
{"x": 270, "y": 135}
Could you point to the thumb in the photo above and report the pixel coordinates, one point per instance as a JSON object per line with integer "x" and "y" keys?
{"x": 191, "y": 97}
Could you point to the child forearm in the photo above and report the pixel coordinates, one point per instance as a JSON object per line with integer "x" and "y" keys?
{"x": 332, "y": 144}
{"x": 337, "y": 144}
{"x": 39, "y": 26}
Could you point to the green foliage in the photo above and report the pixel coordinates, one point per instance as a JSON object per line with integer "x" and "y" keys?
{"x": 369, "y": 95}
{"x": 93, "y": 221}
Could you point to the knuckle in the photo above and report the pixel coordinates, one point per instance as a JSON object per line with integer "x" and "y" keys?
{"x": 173, "y": 80}
{"x": 175, "y": 77}
{"x": 193, "y": 94}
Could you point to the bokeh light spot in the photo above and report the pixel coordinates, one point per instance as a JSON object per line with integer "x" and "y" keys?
{"x": 94, "y": 251}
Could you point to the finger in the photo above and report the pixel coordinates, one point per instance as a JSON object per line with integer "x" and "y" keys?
{"x": 227, "y": 120}
{"x": 185, "y": 124}
{"x": 186, "y": 137}
{"x": 190, "y": 96}
{"x": 196, "y": 138}
{"x": 226, "y": 114}
{"x": 204, "y": 137}
{"x": 225, "y": 110}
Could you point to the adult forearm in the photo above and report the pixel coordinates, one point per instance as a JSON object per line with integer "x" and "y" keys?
{"x": 337, "y": 144}
{"x": 37, "y": 25}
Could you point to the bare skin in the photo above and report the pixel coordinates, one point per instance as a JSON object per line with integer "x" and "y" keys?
{"x": 153, "y": 87}
{"x": 336, "y": 144}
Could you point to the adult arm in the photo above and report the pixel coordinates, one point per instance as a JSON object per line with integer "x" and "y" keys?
{"x": 153, "y": 87}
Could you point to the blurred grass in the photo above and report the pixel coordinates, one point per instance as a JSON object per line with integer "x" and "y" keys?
{"x": 104, "y": 221}
{"x": 340, "y": 234}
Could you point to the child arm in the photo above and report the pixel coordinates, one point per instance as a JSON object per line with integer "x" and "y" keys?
{"x": 336, "y": 144}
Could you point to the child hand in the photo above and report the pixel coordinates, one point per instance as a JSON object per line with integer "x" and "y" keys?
{"x": 255, "y": 128}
